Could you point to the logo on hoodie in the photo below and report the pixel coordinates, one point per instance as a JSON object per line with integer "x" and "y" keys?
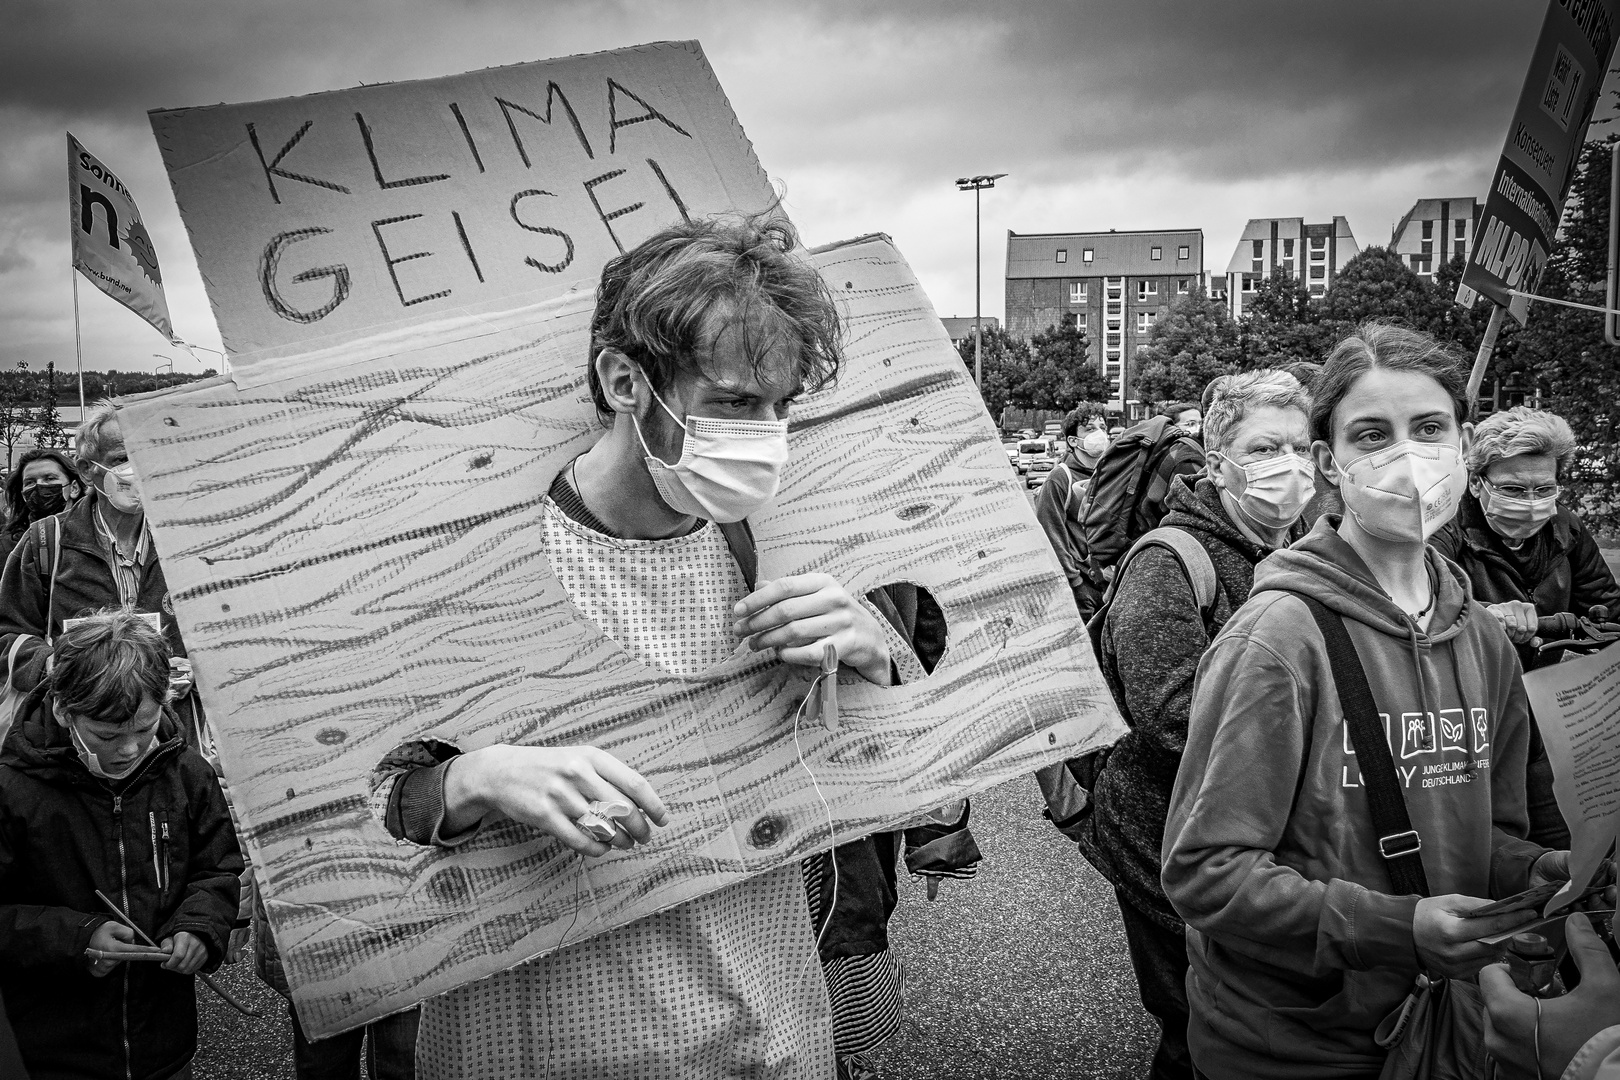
{"x": 1422, "y": 734}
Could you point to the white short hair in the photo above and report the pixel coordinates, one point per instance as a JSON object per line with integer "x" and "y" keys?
{"x": 1238, "y": 394}
{"x": 1518, "y": 431}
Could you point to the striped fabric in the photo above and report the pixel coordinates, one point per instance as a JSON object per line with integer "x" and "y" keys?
{"x": 866, "y": 992}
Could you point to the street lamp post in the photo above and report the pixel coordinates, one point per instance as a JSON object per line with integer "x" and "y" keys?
{"x": 166, "y": 362}
{"x": 977, "y": 184}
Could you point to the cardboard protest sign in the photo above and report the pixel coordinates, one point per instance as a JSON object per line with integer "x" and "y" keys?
{"x": 1521, "y": 212}
{"x": 353, "y": 563}
{"x": 111, "y": 246}
{"x": 317, "y": 219}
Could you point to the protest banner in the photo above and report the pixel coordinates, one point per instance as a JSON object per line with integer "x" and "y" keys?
{"x": 1526, "y": 199}
{"x": 316, "y": 219}
{"x": 111, "y": 246}
{"x": 1577, "y": 708}
{"x": 349, "y": 532}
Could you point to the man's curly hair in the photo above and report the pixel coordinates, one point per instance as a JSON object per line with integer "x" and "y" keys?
{"x": 665, "y": 302}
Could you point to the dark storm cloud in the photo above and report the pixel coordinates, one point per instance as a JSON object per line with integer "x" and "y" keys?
{"x": 860, "y": 107}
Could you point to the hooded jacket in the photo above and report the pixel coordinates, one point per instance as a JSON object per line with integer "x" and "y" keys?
{"x": 1297, "y": 947}
{"x": 1152, "y": 640}
{"x": 161, "y": 843}
{"x": 1057, "y": 508}
{"x": 1557, "y": 569}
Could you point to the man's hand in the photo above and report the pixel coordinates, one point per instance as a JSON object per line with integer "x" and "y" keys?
{"x": 234, "y": 946}
{"x": 108, "y": 938}
{"x": 548, "y": 788}
{"x": 187, "y": 953}
{"x": 798, "y": 615}
{"x": 1447, "y": 942}
{"x": 1566, "y": 1022}
{"x": 1518, "y": 619}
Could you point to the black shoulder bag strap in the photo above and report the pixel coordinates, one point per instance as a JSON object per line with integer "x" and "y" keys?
{"x": 1398, "y": 842}
{"x": 740, "y": 539}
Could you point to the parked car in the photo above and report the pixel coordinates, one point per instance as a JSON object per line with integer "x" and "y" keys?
{"x": 1039, "y": 469}
{"x": 1029, "y": 451}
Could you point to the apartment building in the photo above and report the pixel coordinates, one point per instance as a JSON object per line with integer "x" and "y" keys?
{"x": 959, "y": 328}
{"x": 1116, "y": 285}
{"x": 1312, "y": 254}
{"x": 1433, "y": 231}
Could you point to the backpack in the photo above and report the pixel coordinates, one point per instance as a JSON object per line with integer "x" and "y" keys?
{"x": 48, "y": 539}
{"x": 1126, "y": 495}
{"x": 1066, "y": 786}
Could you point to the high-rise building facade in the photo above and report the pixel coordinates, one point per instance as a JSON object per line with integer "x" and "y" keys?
{"x": 1115, "y": 284}
{"x": 1433, "y": 231}
{"x": 1311, "y": 254}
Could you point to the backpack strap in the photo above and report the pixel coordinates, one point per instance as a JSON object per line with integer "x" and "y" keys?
{"x": 1194, "y": 559}
{"x": 740, "y": 539}
{"x": 1398, "y": 842}
{"x": 48, "y": 549}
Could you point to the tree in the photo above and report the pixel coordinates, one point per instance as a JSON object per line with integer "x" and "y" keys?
{"x": 1282, "y": 324}
{"x": 1376, "y": 284}
{"x": 1195, "y": 342}
{"x": 1060, "y": 374}
{"x": 47, "y": 420}
{"x": 14, "y": 415}
{"x": 1005, "y": 362}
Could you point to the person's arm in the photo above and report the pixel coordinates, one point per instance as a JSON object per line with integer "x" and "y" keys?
{"x": 1157, "y": 636}
{"x": 1577, "y": 1034}
{"x": 1592, "y": 584}
{"x": 796, "y": 616}
{"x": 34, "y": 934}
{"x": 1053, "y": 512}
{"x": 213, "y": 886}
{"x": 23, "y": 600}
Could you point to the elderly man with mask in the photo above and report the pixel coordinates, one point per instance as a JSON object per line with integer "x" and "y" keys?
{"x": 1057, "y": 507}
{"x": 703, "y": 337}
{"x": 97, "y": 555}
{"x": 1526, "y": 556}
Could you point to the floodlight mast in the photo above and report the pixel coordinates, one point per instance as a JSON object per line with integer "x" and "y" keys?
{"x": 977, "y": 184}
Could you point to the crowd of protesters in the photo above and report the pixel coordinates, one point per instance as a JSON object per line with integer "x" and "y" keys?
{"x": 1327, "y": 544}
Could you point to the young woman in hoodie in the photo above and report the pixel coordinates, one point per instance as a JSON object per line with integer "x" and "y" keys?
{"x": 1258, "y": 480}
{"x": 1297, "y": 944}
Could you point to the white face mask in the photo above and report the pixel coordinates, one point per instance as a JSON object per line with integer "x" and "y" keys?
{"x": 1093, "y": 445}
{"x": 93, "y": 762}
{"x": 1276, "y": 490}
{"x": 120, "y": 487}
{"x": 1406, "y": 492}
{"x": 728, "y": 469}
{"x": 1516, "y": 519}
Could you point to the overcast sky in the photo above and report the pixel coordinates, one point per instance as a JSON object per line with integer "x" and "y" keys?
{"x": 1123, "y": 115}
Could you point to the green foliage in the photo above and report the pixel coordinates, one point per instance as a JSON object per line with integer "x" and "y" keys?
{"x": 46, "y": 419}
{"x": 1195, "y": 342}
{"x": 1006, "y": 362}
{"x": 1060, "y": 374}
{"x": 1282, "y": 325}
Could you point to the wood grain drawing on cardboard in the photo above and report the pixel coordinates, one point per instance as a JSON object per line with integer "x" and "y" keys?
{"x": 349, "y": 537}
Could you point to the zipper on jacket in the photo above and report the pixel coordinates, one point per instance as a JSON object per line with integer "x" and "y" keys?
{"x": 123, "y": 895}
{"x": 157, "y": 863}
{"x": 163, "y": 826}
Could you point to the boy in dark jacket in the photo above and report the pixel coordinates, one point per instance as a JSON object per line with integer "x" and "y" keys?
{"x": 98, "y": 791}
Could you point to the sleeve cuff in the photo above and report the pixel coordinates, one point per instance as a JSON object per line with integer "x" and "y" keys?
{"x": 416, "y": 808}
{"x": 1599, "y": 1059}
{"x": 904, "y": 667}
{"x": 1381, "y": 931}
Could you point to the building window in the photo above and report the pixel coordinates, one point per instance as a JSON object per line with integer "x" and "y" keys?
{"x": 1318, "y": 243}
{"x": 1113, "y": 341}
{"x": 1259, "y": 266}
{"x": 1087, "y": 255}
{"x": 1181, "y": 286}
{"x": 1318, "y": 272}
{"x": 1428, "y": 230}
{"x": 1113, "y": 324}
{"x": 1259, "y": 249}
{"x": 1318, "y": 290}
{"x": 1288, "y": 267}
{"x": 1113, "y": 355}
{"x": 1145, "y": 289}
{"x": 1460, "y": 223}
{"x": 1080, "y": 320}
{"x": 1183, "y": 252}
{"x": 1248, "y": 283}
{"x": 1077, "y": 292}
{"x": 1145, "y": 321}
{"x": 1288, "y": 248}
{"x": 1428, "y": 247}
{"x": 1155, "y": 253}
{"x": 1114, "y": 307}
{"x": 1062, "y": 255}
{"x": 1318, "y": 256}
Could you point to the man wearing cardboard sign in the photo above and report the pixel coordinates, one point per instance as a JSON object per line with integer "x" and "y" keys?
{"x": 701, "y": 339}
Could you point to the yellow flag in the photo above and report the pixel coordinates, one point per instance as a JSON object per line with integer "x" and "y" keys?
{"x": 111, "y": 246}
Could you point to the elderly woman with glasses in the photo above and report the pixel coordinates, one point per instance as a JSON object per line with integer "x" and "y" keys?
{"x": 1526, "y": 555}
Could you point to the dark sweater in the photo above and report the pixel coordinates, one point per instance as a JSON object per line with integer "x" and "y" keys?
{"x": 1153, "y": 638}
{"x": 1558, "y": 569}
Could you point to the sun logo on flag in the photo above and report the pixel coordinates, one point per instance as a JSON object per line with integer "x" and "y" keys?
{"x": 140, "y": 246}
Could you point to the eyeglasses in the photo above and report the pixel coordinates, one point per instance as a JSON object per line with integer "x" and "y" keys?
{"x": 1515, "y": 491}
